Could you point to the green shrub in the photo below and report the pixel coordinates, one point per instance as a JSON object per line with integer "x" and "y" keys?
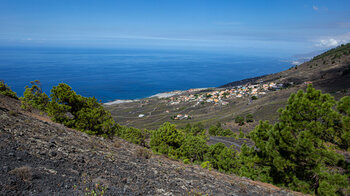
{"x": 34, "y": 97}
{"x": 133, "y": 135}
{"x": 196, "y": 129}
{"x": 189, "y": 144}
{"x": 79, "y": 112}
{"x": 194, "y": 148}
{"x": 222, "y": 158}
{"x": 213, "y": 154}
{"x": 94, "y": 119}
{"x": 239, "y": 120}
{"x": 227, "y": 160}
{"x": 217, "y": 130}
{"x": 167, "y": 140}
{"x": 241, "y": 134}
{"x": 213, "y": 130}
{"x": 249, "y": 118}
{"x": 6, "y": 90}
{"x": 226, "y": 133}
{"x": 207, "y": 165}
{"x": 186, "y": 161}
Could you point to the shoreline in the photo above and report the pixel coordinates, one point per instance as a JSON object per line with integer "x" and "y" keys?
{"x": 158, "y": 95}
{"x": 178, "y": 92}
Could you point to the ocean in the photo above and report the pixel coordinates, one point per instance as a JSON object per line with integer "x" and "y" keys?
{"x": 110, "y": 74}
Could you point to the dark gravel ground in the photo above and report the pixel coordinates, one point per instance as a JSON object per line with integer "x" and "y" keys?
{"x": 39, "y": 157}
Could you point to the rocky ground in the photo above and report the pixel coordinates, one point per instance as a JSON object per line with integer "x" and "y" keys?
{"x": 39, "y": 157}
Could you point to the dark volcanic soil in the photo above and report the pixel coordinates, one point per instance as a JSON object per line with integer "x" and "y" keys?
{"x": 39, "y": 157}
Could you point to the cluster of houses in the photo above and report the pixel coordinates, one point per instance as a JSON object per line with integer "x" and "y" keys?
{"x": 221, "y": 96}
{"x": 181, "y": 117}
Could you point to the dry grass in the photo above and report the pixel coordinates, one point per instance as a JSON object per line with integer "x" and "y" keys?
{"x": 13, "y": 113}
{"x": 117, "y": 144}
{"x": 143, "y": 153}
{"x": 24, "y": 173}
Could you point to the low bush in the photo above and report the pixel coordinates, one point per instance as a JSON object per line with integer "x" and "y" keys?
{"x": 167, "y": 140}
{"x": 207, "y": 165}
{"x": 196, "y": 129}
{"x": 222, "y": 158}
{"x": 143, "y": 153}
{"x": 24, "y": 173}
{"x": 186, "y": 161}
{"x": 249, "y": 118}
{"x": 241, "y": 134}
{"x": 194, "y": 148}
{"x": 133, "y": 135}
{"x": 6, "y": 90}
{"x": 217, "y": 130}
{"x": 239, "y": 120}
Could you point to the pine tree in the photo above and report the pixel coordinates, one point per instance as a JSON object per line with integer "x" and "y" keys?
{"x": 34, "y": 97}
{"x": 295, "y": 151}
{"x": 344, "y": 108}
{"x": 76, "y": 111}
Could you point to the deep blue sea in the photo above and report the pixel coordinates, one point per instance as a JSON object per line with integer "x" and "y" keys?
{"x": 110, "y": 74}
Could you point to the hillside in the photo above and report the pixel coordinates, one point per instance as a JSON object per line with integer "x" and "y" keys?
{"x": 328, "y": 72}
{"x": 39, "y": 157}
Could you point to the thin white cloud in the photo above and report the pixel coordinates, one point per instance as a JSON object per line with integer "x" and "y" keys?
{"x": 149, "y": 38}
{"x": 319, "y": 9}
{"x": 227, "y": 23}
{"x": 333, "y": 41}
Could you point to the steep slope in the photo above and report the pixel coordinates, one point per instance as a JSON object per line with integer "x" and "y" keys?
{"x": 39, "y": 157}
{"x": 329, "y": 71}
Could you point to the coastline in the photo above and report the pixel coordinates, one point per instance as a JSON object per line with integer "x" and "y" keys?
{"x": 118, "y": 101}
{"x": 158, "y": 95}
{"x": 178, "y": 92}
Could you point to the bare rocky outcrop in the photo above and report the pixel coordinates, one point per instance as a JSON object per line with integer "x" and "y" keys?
{"x": 39, "y": 157}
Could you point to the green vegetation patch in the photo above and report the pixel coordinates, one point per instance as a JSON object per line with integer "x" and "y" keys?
{"x": 336, "y": 52}
{"x": 217, "y": 130}
{"x": 6, "y": 90}
{"x": 34, "y": 97}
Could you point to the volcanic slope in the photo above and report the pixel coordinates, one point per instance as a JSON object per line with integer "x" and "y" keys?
{"x": 39, "y": 157}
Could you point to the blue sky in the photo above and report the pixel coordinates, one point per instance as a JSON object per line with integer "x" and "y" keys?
{"x": 281, "y": 26}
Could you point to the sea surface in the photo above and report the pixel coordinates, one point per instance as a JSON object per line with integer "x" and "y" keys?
{"x": 110, "y": 74}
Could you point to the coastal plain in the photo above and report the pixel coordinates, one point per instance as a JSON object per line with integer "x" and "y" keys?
{"x": 328, "y": 73}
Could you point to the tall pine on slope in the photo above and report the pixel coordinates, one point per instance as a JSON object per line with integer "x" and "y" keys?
{"x": 344, "y": 107}
{"x": 79, "y": 112}
{"x": 297, "y": 151}
{"x": 34, "y": 97}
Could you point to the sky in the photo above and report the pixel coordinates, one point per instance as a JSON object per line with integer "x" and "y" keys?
{"x": 258, "y": 26}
